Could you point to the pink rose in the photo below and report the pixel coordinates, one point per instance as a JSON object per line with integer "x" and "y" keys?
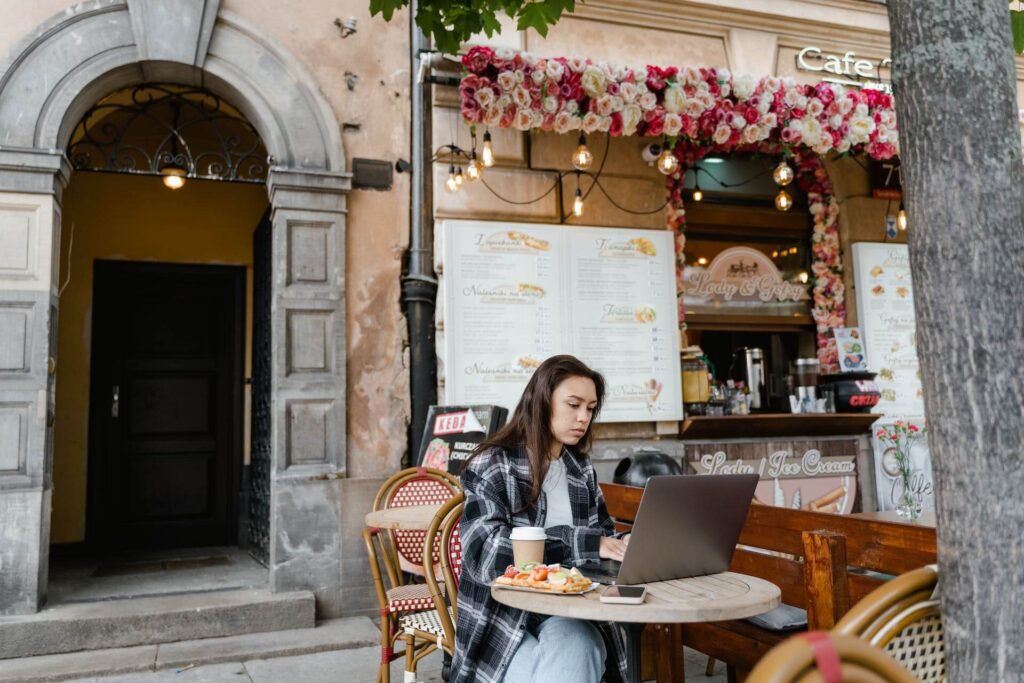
{"x": 478, "y": 59}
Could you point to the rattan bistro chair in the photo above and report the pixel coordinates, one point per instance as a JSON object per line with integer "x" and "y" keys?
{"x": 823, "y": 657}
{"x": 436, "y": 627}
{"x": 391, "y": 550}
{"x": 902, "y": 617}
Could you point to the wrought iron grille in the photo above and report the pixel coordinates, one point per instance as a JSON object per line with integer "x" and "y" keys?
{"x": 259, "y": 459}
{"x": 150, "y": 127}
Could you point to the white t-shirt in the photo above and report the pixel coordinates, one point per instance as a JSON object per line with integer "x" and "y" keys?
{"x": 556, "y": 488}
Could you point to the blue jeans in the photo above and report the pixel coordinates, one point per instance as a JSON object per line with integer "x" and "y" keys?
{"x": 558, "y": 650}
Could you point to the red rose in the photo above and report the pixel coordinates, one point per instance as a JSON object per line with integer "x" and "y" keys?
{"x": 615, "y": 130}
{"x": 478, "y": 59}
{"x": 655, "y": 125}
{"x": 751, "y": 115}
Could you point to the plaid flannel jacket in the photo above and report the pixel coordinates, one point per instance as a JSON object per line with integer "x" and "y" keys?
{"x": 496, "y": 483}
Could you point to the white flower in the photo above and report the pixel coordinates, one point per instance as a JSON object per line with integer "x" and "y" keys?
{"x": 770, "y": 120}
{"x": 763, "y": 105}
{"x": 503, "y": 102}
{"x": 724, "y": 89}
{"x": 554, "y": 69}
{"x": 628, "y": 93}
{"x": 791, "y": 97}
{"x": 707, "y": 100}
{"x": 694, "y": 107}
{"x": 524, "y": 119}
{"x": 493, "y": 116}
{"x": 722, "y": 134}
{"x": 743, "y": 86}
{"x": 673, "y": 125}
{"x": 619, "y": 72}
{"x": 571, "y": 106}
{"x": 691, "y": 76}
{"x": 738, "y": 121}
{"x": 577, "y": 64}
{"x": 550, "y": 105}
{"x": 836, "y": 122}
{"x": 844, "y": 145}
{"x": 538, "y": 76}
{"x": 861, "y": 128}
{"x": 753, "y": 134}
{"x": 604, "y": 105}
{"x": 593, "y": 81}
{"x": 815, "y": 107}
{"x": 521, "y": 96}
{"x": 605, "y": 123}
{"x": 565, "y": 122}
{"x": 861, "y": 109}
{"x": 675, "y": 99}
{"x": 772, "y": 84}
{"x": 648, "y": 101}
{"x": 507, "y": 80}
{"x": 631, "y": 116}
{"x": 485, "y": 97}
{"x": 724, "y": 75}
{"x": 845, "y": 105}
{"x": 504, "y": 53}
{"x": 823, "y": 145}
{"x": 812, "y": 132}
{"x": 591, "y": 122}
{"x": 529, "y": 58}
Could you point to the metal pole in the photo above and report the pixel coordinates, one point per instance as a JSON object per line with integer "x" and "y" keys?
{"x": 419, "y": 283}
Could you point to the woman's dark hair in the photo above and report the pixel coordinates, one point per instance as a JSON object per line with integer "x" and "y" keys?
{"x": 531, "y": 421}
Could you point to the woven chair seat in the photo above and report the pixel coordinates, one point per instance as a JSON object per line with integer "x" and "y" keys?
{"x": 428, "y": 622}
{"x": 918, "y": 647}
{"x": 412, "y": 597}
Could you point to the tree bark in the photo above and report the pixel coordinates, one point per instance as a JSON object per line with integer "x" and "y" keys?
{"x": 954, "y": 82}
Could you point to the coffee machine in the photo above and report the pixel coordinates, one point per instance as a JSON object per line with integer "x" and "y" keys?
{"x": 748, "y": 367}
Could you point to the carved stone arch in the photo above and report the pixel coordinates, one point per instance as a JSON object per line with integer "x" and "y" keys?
{"x": 47, "y": 83}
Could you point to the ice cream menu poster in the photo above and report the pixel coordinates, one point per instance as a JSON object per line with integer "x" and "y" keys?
{"x": 885, "y": 306}
{"x": 516, "y": 294}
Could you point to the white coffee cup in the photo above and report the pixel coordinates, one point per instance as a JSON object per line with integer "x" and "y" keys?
{"x": 528, "y": 544}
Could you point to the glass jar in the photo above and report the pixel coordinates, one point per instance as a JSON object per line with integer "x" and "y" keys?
{"x": 805, "y": 372}
{"x": 696, "y": 385}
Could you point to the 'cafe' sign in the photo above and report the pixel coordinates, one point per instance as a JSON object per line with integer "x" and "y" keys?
{"x": 846, "y": 69}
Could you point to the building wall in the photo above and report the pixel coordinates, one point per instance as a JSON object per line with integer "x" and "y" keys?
{"x": 109, "y": 216}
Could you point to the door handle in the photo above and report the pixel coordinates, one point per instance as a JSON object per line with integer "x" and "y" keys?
{"x": 115, "y": 401}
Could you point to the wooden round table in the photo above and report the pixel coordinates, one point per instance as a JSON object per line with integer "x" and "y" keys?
{"x": 411, "y": 518}
{"x": 716, "y": 597}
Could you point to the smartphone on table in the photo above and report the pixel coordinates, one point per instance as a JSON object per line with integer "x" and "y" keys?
{"x": 626, "y": 595}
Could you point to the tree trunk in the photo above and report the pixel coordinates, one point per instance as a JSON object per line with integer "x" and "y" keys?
{"x": 954, "y": 81}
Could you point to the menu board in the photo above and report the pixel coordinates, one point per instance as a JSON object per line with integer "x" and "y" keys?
{"x": 518, "y": 293}
{"x": 885, "y": 309}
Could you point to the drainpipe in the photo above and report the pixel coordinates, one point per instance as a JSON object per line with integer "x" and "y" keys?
{"x": 419, "y": 283}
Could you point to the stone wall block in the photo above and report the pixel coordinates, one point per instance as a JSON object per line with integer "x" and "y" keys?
{"x": 24, "y": 550}
{"x": 173, "y": 30}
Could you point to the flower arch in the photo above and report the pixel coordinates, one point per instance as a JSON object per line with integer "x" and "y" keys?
{"x": 700, "y": 111}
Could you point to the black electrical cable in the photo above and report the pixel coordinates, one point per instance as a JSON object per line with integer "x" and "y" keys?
{"x": 558, "y": 181}
{"x": 624, "y": 209}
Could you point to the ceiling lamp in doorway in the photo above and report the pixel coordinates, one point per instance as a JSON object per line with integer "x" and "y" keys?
{"x": 173, "y": 175}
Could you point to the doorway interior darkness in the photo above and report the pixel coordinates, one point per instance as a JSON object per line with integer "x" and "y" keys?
{"x": 165, "y": 447}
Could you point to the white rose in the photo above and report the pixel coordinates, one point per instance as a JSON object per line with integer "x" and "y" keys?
{"x": 571, "y": 106}
{"x": 591, "y": 122}
{"x": 824, "y": 144}
{"x": 722, "y": 134}
{"x": 593, "y": 81}
{"x": 763, "y": 105}
{"x": 861, "y": 128}
{"x": 724, "y": 89}
{"x": 503, "y": 102}
{"x": 772, "y": 84}
{"x": 812, "y": 131}
{"x": 883, "y": 133}
{"x": 815, "y": 107}
{"x": 770, "y": 120}
{"x": 694, "y": 107}
{"x": 675, "y": 99}
{"x": 603, "y": 105}
{"x": 554, "y": 69}
{"x": 692, "y": 76}
{"x": 521, "y": 96}
{"x": 673, "y": 125}
{"x": 605, "y": 123}
{"x": 743, "y": 86}
{"x": 738, "y": 121}
{"x": 648, "y": 101}
{"x": 538, "y": 76}
{"x": 507, "y": 80}
{"x": 563, "y": 122}
{"x": 836, "y": 122}
{"x": 550, "y": 105}
{"x": 707, "y": 100}
{"x": 724, "y": 75}
{"x": 627, "y": 91}
{"x": 577, "y": 64}
{"x": 752, "y": 134}
{"x": 524, "y": 120}
{"x": 801, "y": 101}
{"x": 504, "y": 53}
{"x": 631, "y": 116}
{"x": 861, "y": 109}
{"x": 844, "y": 145}
{"x": 529, "y": 58}
{"x": 790, "y": 97}
{"x": 485, "y": 97}
{"x": 492, "y": 116}
{"x": 845, "y": 105}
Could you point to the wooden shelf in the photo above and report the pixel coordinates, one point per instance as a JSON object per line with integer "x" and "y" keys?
{"x": 749, "y": 323}
{"x": 775, "y": 425}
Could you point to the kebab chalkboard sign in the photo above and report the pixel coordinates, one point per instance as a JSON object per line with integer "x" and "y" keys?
{"x": 452, "y": 432}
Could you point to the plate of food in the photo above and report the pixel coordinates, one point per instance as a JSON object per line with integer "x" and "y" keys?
{"x": 545, "y": 578}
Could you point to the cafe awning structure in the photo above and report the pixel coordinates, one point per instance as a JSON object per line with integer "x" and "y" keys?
{"x": 696, "y": 112}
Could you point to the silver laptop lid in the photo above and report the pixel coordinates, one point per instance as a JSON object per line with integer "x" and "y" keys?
{"x": 687, "y": 525}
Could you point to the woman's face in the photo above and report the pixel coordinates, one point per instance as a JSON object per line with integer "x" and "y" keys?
{"x": 572, "y": 407}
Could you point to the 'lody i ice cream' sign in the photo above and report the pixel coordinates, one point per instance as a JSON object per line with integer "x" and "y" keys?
{"x": 740, "y": 276}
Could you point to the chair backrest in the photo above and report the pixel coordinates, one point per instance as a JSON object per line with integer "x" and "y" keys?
{"x": 820, "y": 657}
{"x": 903, "y": 617}
{"x": 415, "y": 486}
{"x": 444, "y": 531}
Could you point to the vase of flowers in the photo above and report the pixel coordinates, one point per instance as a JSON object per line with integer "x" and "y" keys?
{"x": 899, "y": 437}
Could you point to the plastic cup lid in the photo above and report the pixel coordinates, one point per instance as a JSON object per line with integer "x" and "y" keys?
{"x": 529, "y": 533}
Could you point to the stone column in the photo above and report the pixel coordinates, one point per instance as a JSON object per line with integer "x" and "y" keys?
{"x": 31, "y": 182}
{"x": 308, "y": 382}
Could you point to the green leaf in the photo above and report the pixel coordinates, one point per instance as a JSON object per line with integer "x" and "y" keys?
{"x": 537, "y": 16}
{"x": 1017, "y": 22}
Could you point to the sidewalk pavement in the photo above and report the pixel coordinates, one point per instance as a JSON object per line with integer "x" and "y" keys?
{"x": 337, "y": 650}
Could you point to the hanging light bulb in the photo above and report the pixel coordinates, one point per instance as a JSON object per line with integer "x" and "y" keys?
{"x": 577, "y": 204}
{"x": 173, "y": 176}
{"x": 488, "y": 151}
{"x": 783, "y": 202}
{"x": 582, "y": 157}
{"x": 474, "y": 169}
{"x": 458, "y": 176}
{"x": 667, "y": 162}
{"x": 783, "y": 174}
{"x": 698, "y": 195}
{"x": 901, "y": 217}
{"x": 452, "y": 185}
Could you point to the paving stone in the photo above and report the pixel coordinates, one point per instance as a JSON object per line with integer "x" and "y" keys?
{"x": 350, "y": 666}
{"x": 48, "y": 668}
{"x": 233, "y": 672}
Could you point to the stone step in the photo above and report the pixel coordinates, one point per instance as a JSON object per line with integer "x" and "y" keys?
{"x": 145, "y": 621}
{"x": 356, "y": 635}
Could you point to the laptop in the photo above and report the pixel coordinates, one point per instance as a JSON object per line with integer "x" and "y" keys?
{"x": 687, "y": 525}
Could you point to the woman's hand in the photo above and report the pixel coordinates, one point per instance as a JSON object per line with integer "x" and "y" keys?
{"x": 613, "y": 548}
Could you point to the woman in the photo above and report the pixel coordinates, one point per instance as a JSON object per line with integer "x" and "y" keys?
{"x": 535, "y": 472}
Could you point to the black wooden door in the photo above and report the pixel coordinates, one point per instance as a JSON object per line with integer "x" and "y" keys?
{"x": 165, "y": 409}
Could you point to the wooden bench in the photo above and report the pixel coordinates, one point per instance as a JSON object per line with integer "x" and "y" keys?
{"x": 821, "y": 562}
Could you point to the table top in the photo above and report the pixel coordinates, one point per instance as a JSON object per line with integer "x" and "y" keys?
{"x": 927, "y": 517}
{"x": 413, "y": 517}
{"x": 716, "y": 597}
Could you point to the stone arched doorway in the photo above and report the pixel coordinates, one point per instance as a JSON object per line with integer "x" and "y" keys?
{"x": 46, "y": 85}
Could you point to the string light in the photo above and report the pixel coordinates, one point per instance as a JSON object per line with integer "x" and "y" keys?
{"x": 783, "y": 174}
{"x": 802, "y": 277}
{"x": 667, "y": 161}
{"x": 458, "y": 176}
{"x": 582, "y": 158}
{"x": 698, "y": 195}
{"x": 488, "y": 150}
{"x": 452, "y": 184}
{"x": 901, "y": 217}
{"x": 577, "y": 202}
{"x": 702, "y": 261}
{"x": 783, "y": 202}
{"x": 474, "y": 169}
